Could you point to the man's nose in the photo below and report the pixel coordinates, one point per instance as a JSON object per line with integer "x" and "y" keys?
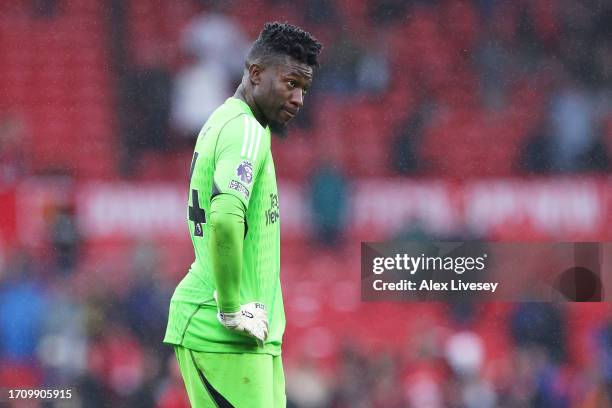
{"x": 297, "y": 98}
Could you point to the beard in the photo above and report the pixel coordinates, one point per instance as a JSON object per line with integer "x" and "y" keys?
{"x": 279, "y": 129}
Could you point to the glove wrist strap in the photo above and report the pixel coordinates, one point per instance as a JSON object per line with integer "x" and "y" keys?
{"x": 230, "y": 319}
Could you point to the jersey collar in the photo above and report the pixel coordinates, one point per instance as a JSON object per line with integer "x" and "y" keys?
{"x": 243, "y": 106}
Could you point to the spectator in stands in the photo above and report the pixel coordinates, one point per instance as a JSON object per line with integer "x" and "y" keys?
{"x": 144, "y": 303}
{"x": 329, "y": 200}
{"x": 536, "y": 381}
{"x": 12, "y": 156}
{"x": 216, "y": 47}
{"x": 145, "y": 395}
{"x": 408, "y": 136}
{"x": 198, "y": 89}
{"x": 171, "y": 392}
{"x": 577, "y": 145}
{"x": 322, "y": 12}
{"x": 355, "y": 66}
{"x": 215, "y": 38}
{"x": 123, "y": 367}
{"x": 387, "y": 12}
{"x": 597, "y": 158}
{"x": 63, "y": 347}
{"x": 578, "y": 37}
{"x": 147, "y": 91}
{"x": 352, "y": 388}
{"x": 65, "y": 239}
{"x": 383, "y": 375}
{"x": 90, "y": 389}
{"x": 465, "y": 354}
{"x": 373, "y": 69}
{"x": 495, "y": 66}
{"x": 22, "y": 308}
{"x": 528, "y": 36}
{"x": 600, "y": 385}
{"x": 338, "y": 73}
{"x": 537, "y": 150}
{"x": 542, "y": 325}
{"x": 602, "y": 49}
{"x": 306, "y": 386}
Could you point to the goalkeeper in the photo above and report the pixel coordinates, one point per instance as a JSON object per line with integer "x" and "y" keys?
{"x": 226, "y": 318}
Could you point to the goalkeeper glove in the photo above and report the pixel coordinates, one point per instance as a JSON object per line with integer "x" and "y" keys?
{"x": 251, "y": 319}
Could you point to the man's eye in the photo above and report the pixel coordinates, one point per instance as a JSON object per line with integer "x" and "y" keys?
{"x": 292, "y": 83}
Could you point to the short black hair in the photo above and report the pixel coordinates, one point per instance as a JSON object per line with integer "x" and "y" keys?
{"x": 279, "y": 39}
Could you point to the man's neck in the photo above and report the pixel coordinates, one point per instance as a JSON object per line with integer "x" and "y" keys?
{"x": 247, "y": 97}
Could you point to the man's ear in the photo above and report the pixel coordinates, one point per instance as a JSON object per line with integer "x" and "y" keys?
{"x": 255, "y": 71}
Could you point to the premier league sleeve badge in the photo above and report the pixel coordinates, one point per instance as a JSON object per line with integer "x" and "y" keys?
{"x": 245, "y": 172}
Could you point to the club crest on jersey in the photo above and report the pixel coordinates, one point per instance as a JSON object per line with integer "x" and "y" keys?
{"x": 245, "y": 172}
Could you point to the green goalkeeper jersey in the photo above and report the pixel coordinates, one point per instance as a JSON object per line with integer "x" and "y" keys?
{"x": 232, "y": 156}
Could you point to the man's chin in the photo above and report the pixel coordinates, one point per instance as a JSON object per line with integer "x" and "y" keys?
{"x": 279, "y": 129}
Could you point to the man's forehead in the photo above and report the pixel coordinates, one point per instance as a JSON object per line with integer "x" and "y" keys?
{"x": 291, "y": 66}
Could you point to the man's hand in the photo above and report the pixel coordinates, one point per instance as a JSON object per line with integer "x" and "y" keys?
{"x": 251, "y": 319}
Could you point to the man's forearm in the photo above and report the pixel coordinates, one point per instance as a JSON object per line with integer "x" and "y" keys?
{"x": 226, "y": 239}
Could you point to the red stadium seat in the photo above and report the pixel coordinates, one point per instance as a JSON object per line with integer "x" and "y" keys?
{"x": 59, "y": 80}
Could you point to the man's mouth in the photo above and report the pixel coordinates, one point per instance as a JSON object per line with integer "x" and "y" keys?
{"x": 290, "y": 113}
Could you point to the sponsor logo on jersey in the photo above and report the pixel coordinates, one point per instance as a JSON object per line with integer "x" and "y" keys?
{"x": 235, "y": 185}
{"x": 272, "y": 214}
{"x": 245, "y": 172}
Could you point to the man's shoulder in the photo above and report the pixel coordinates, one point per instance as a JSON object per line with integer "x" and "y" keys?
{"x": 227, "y": 113}
{"x": 236, "y": 126}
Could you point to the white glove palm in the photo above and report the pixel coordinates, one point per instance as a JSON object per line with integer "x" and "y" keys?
{"x": 252, "y": 320}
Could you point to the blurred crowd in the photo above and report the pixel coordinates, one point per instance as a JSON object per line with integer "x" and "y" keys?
{"x": 447, "y": 366}
{"x": 413, "y": 88}
{"x": 454, "y": 89}
{"x": 98, "y": 333}
{"x": 439, "y": 88}
{"x": 461, "y": 88}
